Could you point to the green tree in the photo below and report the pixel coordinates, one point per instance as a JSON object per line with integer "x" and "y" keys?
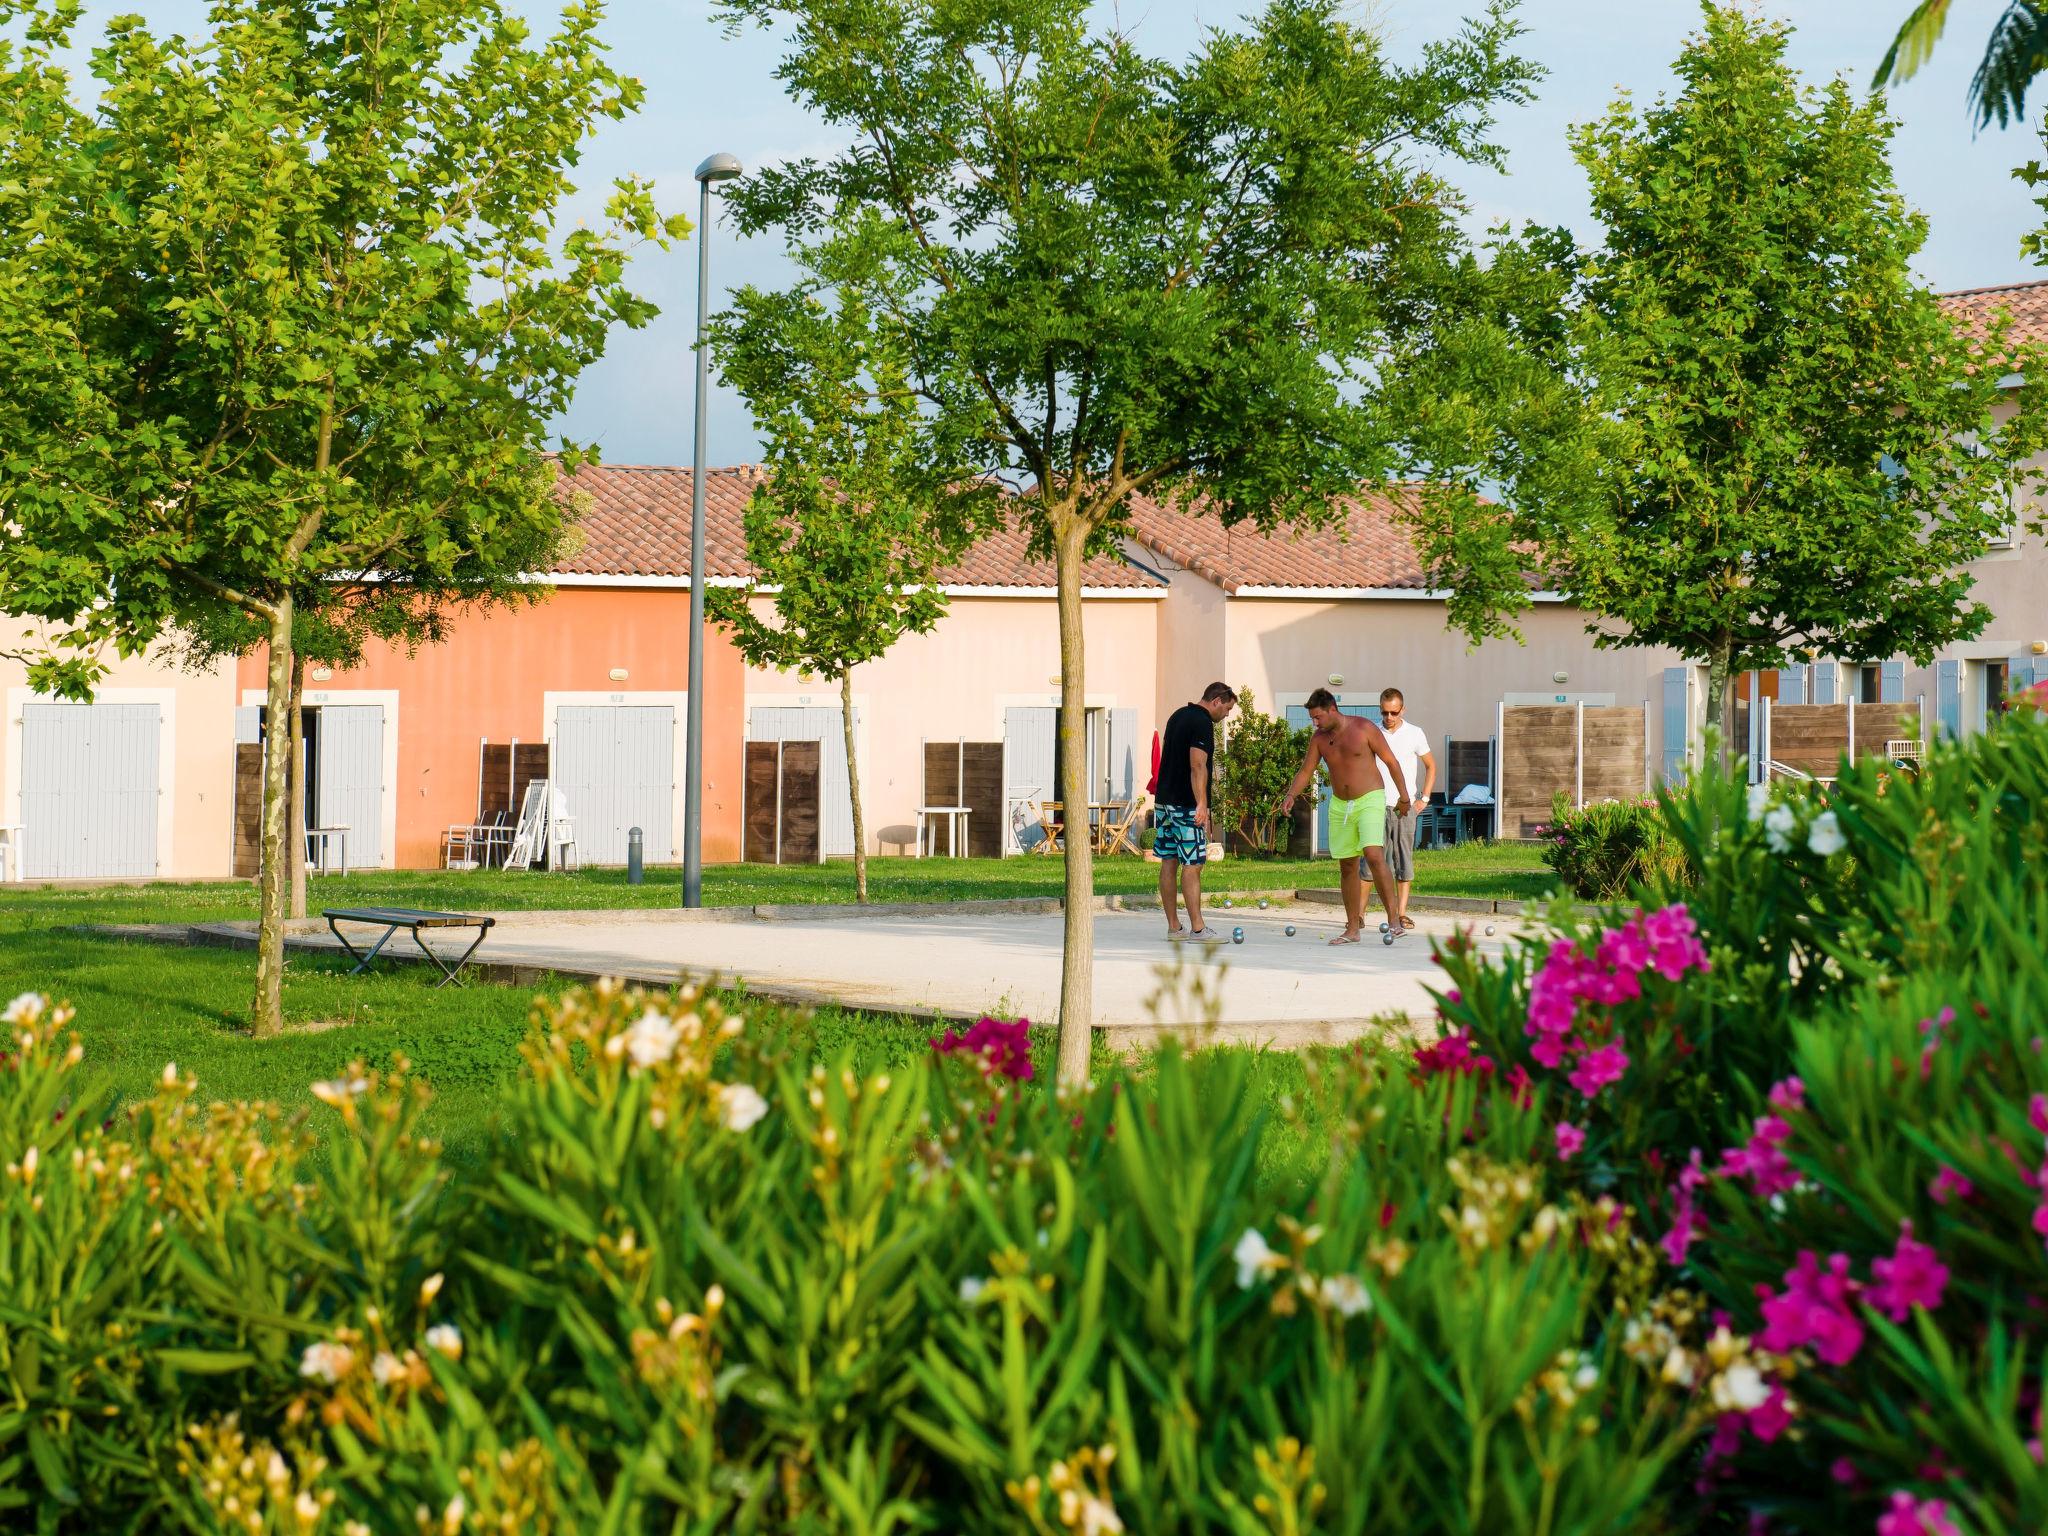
{"x": 860, "y": 510}
{"x": 1135, "y": 274}
{"x": 1754, "y": 434}
{"x": 2016, "y": 51}
{"x": 285, "y": 305}
{"x": 1254, "y": 766}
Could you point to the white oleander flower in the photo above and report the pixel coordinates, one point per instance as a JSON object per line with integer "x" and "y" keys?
{"x": 971, "y": 1287}
{"x": 326, "y": 1361}
{"x": 1779, "y": 826}
{"x": 445, "y": 1339}
{"x": 24, "y": 1009}
{"x": 338, "y": 1091}
{"x": 386, "y": 1368}
{"x": 1346, "y": 1295}
{"x": 1825, "y": 837}
{"x": 1759, "y": 800}
{"x": 1740, "y": 1388}
{"x": 652, "y": 1038}
{"x": 1255, "y": 1260}
{"x": 740, "y": 1106}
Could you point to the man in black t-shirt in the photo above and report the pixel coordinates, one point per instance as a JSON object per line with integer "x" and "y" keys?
{"x": 1180, "y": 824}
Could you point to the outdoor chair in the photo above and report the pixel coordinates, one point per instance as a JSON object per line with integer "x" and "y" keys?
{"x": 1436, "y": 824}
{"x": 1120, "y": 828}
{"x": 1053, "y": 826}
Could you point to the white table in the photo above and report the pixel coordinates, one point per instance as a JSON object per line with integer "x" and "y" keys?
{"x": 13, "y": 853}
{"x": 955, "y": 817}
{"x": 323, "y": 838}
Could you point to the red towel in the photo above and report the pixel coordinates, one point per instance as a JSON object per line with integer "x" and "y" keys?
{"x": 1152, "y": 784}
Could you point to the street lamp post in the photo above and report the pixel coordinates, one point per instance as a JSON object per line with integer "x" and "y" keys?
{"x": 716, "y": 168}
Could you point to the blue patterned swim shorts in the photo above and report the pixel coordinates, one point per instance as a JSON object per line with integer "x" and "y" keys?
{"x": 1175, "y": 835}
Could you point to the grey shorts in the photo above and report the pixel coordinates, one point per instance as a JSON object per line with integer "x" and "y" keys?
{"x": 1401, "y": 845}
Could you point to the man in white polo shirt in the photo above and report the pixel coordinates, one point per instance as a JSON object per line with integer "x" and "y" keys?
{"x": 1418, "y": 775}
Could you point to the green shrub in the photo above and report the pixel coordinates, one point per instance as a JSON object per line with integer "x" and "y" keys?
{"x": 701, "y": 1286}
{"x": 1608, "y": 850}
{"x": 1258, "y": 759}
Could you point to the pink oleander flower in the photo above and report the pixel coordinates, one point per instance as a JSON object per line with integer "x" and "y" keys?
{"x": 1762, "y": 1161}
{"x": 1551, "y": 1051}
{"x": 1521, "y": 1087}
{"x": 1685, "y": 1221}
{"x": 2037, "y": 1112}
{"x": 1453, "y": 1055}
{"x": 1772, "y": 1419}
{"x": 1815, "y": 1310}
{"x": 1905, "y": 1515}
{"x": 1949, "y": 1185}
{"x": 1788, "y": 1096}
{"x": 1674, "y": 944}
{"x": 1843, "y": 1471}
{"x": 1569, "y": 1139}
{"x": 1912, "y": 1277}
{"x": 1004, "y": 1046}
{"x": 1598, "y": 1068}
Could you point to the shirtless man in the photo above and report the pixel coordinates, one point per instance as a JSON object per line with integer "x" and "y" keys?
{"x": 1353, "y": 749}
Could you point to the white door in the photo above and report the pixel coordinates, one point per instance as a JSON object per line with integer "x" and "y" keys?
{"x": 89, "y": 800}
{"x": 351, "y": 779}
{"x": 826, "y": 727}
{"x": 615, "y": 767}
{"x": 1030, "y": 738}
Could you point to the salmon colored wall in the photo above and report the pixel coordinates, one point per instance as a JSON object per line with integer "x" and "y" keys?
{"x": 487, "y": 681}
{"x": 987, "y": 654}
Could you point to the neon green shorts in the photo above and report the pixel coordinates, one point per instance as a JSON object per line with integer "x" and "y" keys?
{"x": 1356, "y": 825}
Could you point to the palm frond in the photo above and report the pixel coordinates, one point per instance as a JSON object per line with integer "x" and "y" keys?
{"x": 2016, "y": 52}
{"x": 1914, "y": 44}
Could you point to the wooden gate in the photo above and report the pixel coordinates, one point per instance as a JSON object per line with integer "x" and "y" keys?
{"x": 784, "y": 781}
{"x": 1812, "y": 739}
{"x": 968, "y": 773}
{"x": 1585, "y": 753}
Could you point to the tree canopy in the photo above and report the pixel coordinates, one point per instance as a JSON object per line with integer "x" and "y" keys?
{"x": 1122, "y": 273}
{"x": 1753, "y": 433}
{"x": 288, "y": 303}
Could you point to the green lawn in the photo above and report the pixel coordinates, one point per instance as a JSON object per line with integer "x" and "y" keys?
{"x": 141, "y": 1005}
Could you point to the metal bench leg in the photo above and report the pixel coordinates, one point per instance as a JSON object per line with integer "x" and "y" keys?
{"x": 448, "y": 973}
{"x": 362, "y": 960}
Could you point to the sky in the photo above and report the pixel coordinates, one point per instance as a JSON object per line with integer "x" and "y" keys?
{"x": 709, "y": 91}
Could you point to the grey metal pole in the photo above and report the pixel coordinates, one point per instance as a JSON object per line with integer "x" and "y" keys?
{"x": 693, "y": 770}
{"x": 715, "y": 168}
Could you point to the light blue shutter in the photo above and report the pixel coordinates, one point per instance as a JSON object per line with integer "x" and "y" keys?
{"x": 1826, "y": 679}
{"x": 1948, "y": 697}
{"x": 1029, "y": 736}
{"x": 1677, "y": 721}
{"x": 352, "y": 779}
{"x": 1891, "y": 683}
{"x": 1123, "y": 753}
{"x": 1791, "y": 685}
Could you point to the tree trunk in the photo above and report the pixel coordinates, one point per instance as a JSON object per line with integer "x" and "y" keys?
{"x": 1077, "y": 965}
{"x": 860, "y": 826}
{"x": 295, "y": 832}
{"x": 1720, "y": 706}
{"x": 267, "y": 1014}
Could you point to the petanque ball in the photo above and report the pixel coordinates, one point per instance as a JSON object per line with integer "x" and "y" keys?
{"x": 1383, "y": 927}
{"x": 1489, "y": 930}
{"x": 1226, "y": 901}
{"x": 1290, "y": 930}
{"x": 1237, "y": 935}
{"x": 1262, "y": 903}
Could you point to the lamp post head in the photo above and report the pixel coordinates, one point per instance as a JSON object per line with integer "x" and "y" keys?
{"x": 719, "y": 168}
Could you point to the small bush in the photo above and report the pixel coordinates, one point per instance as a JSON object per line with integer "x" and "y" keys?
{"x": 1610, "y": 849}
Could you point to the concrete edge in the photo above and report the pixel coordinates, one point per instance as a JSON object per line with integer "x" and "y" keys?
{"x": 1480, "y": 905}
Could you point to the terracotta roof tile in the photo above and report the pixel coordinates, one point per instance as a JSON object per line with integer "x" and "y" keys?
{"x": 1364, "y": 548}
{"x": 1972, "y": 309}
{"x": 637, "y": 523}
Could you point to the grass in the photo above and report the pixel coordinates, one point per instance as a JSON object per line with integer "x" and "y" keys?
{"x": 1501, "y": 870}
{"x": 141, "y": 1005}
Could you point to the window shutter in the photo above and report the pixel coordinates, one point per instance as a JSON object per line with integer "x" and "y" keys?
{"x": 1791, "y": 685}
{"x": 1948, "y": 697}
{"x": 1891, "y": 683}
{"x": 1677, "y": 721}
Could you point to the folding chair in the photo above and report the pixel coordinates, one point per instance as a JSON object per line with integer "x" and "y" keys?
{"x": 1050, "y": 823}
{"x": 1120, "y": 834}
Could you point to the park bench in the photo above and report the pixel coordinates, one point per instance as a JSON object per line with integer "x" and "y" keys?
{"x": 413, "y": 919}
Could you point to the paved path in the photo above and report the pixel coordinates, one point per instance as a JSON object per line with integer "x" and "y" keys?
{"x": 1269, "y": 988}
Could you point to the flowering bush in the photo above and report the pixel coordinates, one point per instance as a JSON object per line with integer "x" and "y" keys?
{"x": 698, "y": 1285}
{"x": 1607, "y": 850}
{"x": 1833, "y": 1113}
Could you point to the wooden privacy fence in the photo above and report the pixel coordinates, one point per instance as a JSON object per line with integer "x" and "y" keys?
{"x": 784, "y": 779}
{"x": 968, "y": 773}
{"x": 1583, "y": 752}
{"x": 1812, "y": 739}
